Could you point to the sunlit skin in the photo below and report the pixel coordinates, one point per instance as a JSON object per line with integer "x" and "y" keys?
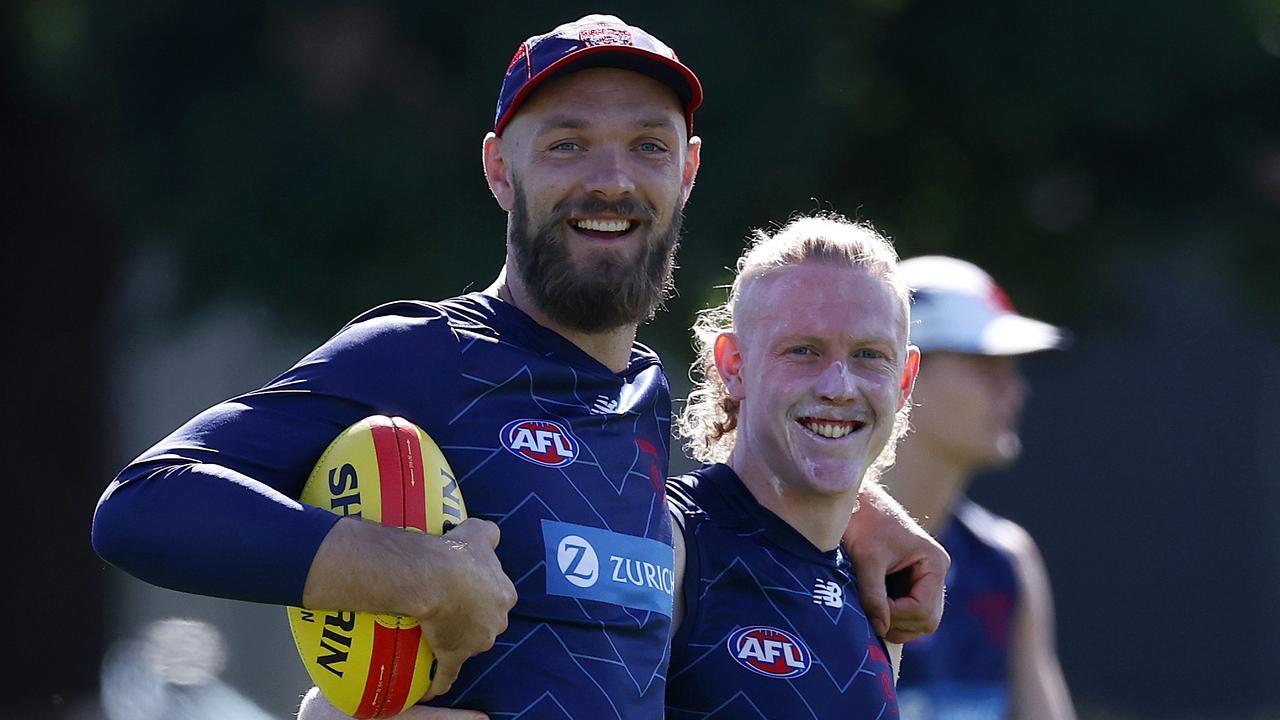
{"x": 968, "y": 410}
{"x": 821, "y": 364}
{"x": 605, "y": 133}
{"x": 965, "y": 420}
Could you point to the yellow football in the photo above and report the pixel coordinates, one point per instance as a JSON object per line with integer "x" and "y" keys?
{"x": 386, "y": 470}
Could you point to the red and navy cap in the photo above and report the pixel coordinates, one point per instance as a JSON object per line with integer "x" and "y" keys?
{"x": 593, "y": 41}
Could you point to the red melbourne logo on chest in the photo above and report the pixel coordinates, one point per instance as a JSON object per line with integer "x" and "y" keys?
{"x": 543, "y": 442}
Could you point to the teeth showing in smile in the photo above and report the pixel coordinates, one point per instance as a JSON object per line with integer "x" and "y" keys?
{"x": 834, "y": 429}
{"x": 609, "y": 226}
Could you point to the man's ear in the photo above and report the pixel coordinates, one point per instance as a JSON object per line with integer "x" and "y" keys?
{"x": 728, "y": 356}
{"x": 498, "y": 173}
{"x": 910, "y": 371}
{"x": 692, "y": 159}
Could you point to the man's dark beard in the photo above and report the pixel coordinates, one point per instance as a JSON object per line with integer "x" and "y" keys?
{"x": 609, "y": 293}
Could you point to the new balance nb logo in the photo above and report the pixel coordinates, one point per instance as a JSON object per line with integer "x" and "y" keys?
{"x": 604, "y": 406}
{"x": 828, "y": 593}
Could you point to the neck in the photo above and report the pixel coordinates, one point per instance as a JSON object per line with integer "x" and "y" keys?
{"x": 612, "y": 348}
{"x": 926, "y": 484}
{"x": 820, "y": 518}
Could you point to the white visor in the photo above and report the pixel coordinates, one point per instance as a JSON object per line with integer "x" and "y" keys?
{"x": 957, "y": 307}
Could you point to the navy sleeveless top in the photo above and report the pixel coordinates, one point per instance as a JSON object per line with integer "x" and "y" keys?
{"x": 962, "y": 670}
{"x": 773, "y": 627}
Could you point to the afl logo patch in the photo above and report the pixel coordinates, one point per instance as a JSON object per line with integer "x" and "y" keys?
{"x": 543, "y": 442}
{"x": 770, "y": 652}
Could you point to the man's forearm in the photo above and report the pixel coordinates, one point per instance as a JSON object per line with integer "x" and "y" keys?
{"x": 206, "y": 529}
{"x": 900, "y": 568}
{"x": 876, "y": 495}
{"x": 368, "y": 567}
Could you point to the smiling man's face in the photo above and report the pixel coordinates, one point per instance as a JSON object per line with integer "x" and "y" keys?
{"x": 599, "y": 168}
{"x": 820, "y": 365}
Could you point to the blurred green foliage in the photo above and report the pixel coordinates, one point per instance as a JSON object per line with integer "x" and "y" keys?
{"x": 322, "y": 157}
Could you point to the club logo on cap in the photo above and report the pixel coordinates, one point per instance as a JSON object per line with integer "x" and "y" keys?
{"x": 770, "y": 652}
{"x": 605, "y": 35}
{"x": 542, "y": 442}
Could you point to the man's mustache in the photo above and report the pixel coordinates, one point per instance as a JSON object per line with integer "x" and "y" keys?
{"x": 628, "y": 207}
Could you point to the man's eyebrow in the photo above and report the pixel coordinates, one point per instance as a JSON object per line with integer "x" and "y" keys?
{"x": 563, "y": 122}
{"x": 657, "y": 123}
{"x": 796, "y": 338}
{"x": 570, "y": 122}
{"x": 820, "y": 339}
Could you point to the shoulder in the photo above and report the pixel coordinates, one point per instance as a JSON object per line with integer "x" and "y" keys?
{"x": 424, "y": 325}
{"x": 1003, "y": 534}
{"x": 992, "y": 529}
{"x": 409, "y": 315}
{"x": 399, "y": 321}
{"x": 643, "y": 355}
{"x": 680, "y": 494}
{"x": 380, "y": 351}
{"x": 687, "y": 495}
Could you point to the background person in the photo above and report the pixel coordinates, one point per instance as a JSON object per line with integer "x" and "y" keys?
{"x": 994, "y": 654}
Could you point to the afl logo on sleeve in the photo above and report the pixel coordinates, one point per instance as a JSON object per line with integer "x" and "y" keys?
{"x": 770, "y": 652}
{"x": 542, "y": 442}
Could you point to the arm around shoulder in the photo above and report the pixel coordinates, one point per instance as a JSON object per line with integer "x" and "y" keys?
{"x": 887, "y": 546}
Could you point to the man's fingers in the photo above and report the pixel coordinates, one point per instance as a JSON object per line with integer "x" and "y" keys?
{"x": 898, "y": 584}
{"x": 917, "y": 611}
{"x": 490, "y": 532}
{"x": 446, "y": 672}
{"x": 904, "y": 631}
{"x": 871, "y": 572}
{"x": 875, "y": 602}
{"x": 478, "y": 531}
{"x": 927, "y": 590}
{"x": 905, "y": 611}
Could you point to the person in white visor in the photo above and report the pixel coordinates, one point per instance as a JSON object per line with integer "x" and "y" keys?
{"x": 994, "y": 655}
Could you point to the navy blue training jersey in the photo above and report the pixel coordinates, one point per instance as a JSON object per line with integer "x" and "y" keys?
{"x": 962, "y": 670}
{"x": 567, "y": 457}
{"x": 773, "y": 627}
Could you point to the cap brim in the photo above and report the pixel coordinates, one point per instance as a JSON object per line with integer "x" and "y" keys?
{"x": 665, "y": 70}
{"x": 1018, "y": 335}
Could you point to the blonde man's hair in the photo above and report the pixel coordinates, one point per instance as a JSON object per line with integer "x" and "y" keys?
{"x": 709, "y": 420}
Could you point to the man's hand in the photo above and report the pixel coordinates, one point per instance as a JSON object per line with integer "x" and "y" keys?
{"x": 453, "y": 584}
{"x": 900, "y": 568}
{"x": 468, "y": 599}
{"x": 316, "y": 707}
